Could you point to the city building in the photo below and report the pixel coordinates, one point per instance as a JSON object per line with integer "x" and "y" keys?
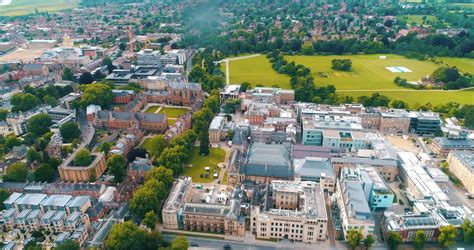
{"x": 387, "y": 168}
{"x": 378, "y": 194}
{"x": 312, "y": 128}
{"x": 318, "y": 170}
{"x": 216, "y": 133}
{"x": 424, "y": 122}
{"x": 354, "y": 210}
{"x": 214, "y": 210}
{"x": 149, "y": 57}
{"x": 444, "y": 145}
{"x": 272, "y": 95}
{"x": 261, "y": 168}
{"x": 344, "y": 141}
{"x": 418, "y": 184}
{"x": 126, "y": 120}
{"x": 69, "y": 172}
{"x": 461, "y": 164}
{"x": 298, "y": 212}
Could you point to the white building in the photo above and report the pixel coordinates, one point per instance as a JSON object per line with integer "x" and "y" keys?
{"x": 149, "y": 57}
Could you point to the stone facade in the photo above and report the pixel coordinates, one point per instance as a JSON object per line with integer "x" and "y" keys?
{"x": 71, "y": 173}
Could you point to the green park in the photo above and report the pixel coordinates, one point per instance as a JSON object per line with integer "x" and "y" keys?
{"x": 23, "y": 7}
{"x": 369, "y": 74}
{"x": 196, "y": 166}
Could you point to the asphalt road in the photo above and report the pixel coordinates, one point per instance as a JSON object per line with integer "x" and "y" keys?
{"x": 217, "y": 243}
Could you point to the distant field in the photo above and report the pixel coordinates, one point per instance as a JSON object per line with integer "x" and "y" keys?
{"x": 256, "y": 70}
{"x": 368, "y": 71}
{"x": 418, "y": 19}
{"x": 23, "y": 7}
{"x": 414, "y": 98}
{"x": 464, "y": 64}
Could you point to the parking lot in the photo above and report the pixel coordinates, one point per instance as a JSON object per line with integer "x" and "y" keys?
{"x": 457, "y": 196}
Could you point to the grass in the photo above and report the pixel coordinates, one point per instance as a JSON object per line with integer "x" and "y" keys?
{"x": 415, "y": 98}
{"x": 418, "y": 19}
{"x": 256, "y": 70}
{"x": 172, "y": 112}
{"x": 23, "y": 7}
{"x": 463, "y": 64}
{"x": 197, "y": 163}
{"x": 152, "y": 109}
{"x": 368, "y": 71}
{"x": 224, "y": 179}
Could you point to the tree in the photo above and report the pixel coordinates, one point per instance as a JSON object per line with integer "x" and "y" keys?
{"x": 104, "y": 147}
{"x": 144, "y": 200}
{"x": 117, "y": 165}
{"x": 467, "y": 231}
{"x": 156, "y": 145}
{"x": 179, "y": 243}
{"x": 394, "y": 239}
{"x": 39, "y": 124}
{"x": 447, "y": 235}
{"x": 32, "y": 155}
{"x": 369, "y": 241}
{"x": 16, "y": 172}
{"x": 98, "y": 94}
{"x": 23, "y": 102}
{"x": 68, "y": 245}
{"x": 69, "y": 131}
{"x": 342, "y": 64}
{"x": 150, "y": 220}
{"x": 86, "y": 78}
{"x": 231, "y": 105}
{"x": 353, "y": 238}
{"x": 44, "y": 173}
{"x": 244, "y": 86}
{"x": 125, "y": 236}
{"x": 162, "y": 174}
{"x": 82, "y": 158}
{"x": 420, "y": 239}
{"x": 445, "y": 74}
{"x": 399, "y": 104}
{"x": 3, "y": 114}
{"x": 67, "y": 74}
{"x": 4, "y": 194}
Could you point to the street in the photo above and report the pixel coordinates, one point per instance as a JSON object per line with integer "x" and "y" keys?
{"x": 217, "y": 244}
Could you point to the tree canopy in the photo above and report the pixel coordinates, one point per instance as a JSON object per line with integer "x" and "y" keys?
{"x": 83, "y": 157}
{"x": 97, "y": 94}
{"x": 70, "y": 131}
{"x": 16, "y": 172}
{"x": 117, "y": 165}
{"x": 39, "y": 124}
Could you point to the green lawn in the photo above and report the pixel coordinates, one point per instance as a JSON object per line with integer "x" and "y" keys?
{"x": 368, "y": 71}
{"x": 195, "y": 167}
{"x": 463, "y": 64}
{"x": 23, "y": 7}
{"x": 152, "y": 109}
{"x": 414, "y": 98}
{"x": 418, "y": 19}
{"x": 172, "y": 112}
{"x": 256, "y": 70}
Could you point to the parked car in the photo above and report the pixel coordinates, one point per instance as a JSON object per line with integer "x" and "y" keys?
{"x": 194, "y": 244}
{"x": 227, "y": 247}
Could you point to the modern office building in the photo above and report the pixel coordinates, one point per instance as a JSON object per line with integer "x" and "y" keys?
{"x": 387, "y": 168}
{"x": 377, "y": 193}
{"x": 149, "y": 57}
{"x": 443, "y": 145}
{"x": 312, "y": 128}
{"x": 298, "y": 212}
{"x": 424, "y": 123}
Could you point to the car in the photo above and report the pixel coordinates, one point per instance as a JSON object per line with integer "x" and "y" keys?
{"x": 227, "y": 247}
{"x": 194, "y": 244}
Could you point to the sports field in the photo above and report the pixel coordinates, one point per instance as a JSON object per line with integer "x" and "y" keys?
{"x": 418, "y": 19}
{"x": 23, "y": 7}
{"x": 368, "y": 71}
{"x": 463, "y": 64}
{"x": 256, "y": 70}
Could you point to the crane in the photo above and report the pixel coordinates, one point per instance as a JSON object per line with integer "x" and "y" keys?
{"x": 228, "y": 60}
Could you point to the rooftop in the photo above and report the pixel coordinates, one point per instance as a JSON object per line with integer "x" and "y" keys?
{"x": 466, "y": 157}
{"x": 314, "y": 167}
{"x": 260, "y": 164}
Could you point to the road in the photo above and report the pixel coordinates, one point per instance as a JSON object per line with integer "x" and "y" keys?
{"x": 217, "y": 244}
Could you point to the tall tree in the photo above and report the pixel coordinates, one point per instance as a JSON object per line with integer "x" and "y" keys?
{"x": 98, "y": 94}
{"x": 16, "y": 172}
{"x": 125, "y": 236}
{"x": 420, "y": 239}
{"x": 70, "y": 131}
{"x": 179, "y": 243}
{"x": 3, "y": 114}
{"x": 4, "y": 194}
{"x": 67, "y": 75}
{"x": 394, "y": 239}
{"x": 86, "y": 78}
{"x": 83, "y": 157}
{"x": 117, "y": 165}
{"x": 68, "y": 245}
{"x": 44, "y": 173}
{"x": 150, "y": 220}
{"x": 468, "y": 231}
{"x": 369, "y": 241}
{"x": 162, "y": 174}
{"x": 353, "y": 238}
{"x": 39, "y": 124}
{"x": 447, "y": 235}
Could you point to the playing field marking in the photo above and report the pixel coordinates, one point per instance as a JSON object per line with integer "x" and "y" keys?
{"x": 398, "y": 69}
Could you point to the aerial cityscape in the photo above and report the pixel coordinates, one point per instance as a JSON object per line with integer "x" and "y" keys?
{"x": 238, "y": 124}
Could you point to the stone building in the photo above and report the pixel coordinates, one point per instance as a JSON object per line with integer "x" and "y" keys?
{"x": 298, "y": 212}
{"x": 69, "y": 172}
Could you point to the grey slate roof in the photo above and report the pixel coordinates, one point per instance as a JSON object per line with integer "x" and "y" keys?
{"x": 268, "y": 160}
{"x": 314, "y": 167}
